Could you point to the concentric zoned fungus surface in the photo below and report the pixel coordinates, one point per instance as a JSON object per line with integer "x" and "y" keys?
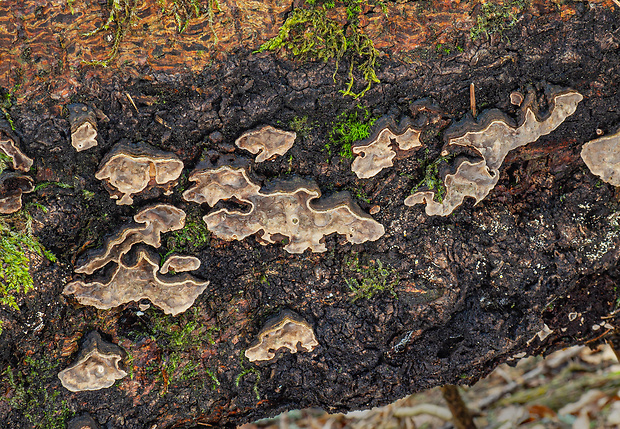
{"x": 96, "y": 367}
{"x": 9, "y": 145}
{"x": 151, "y": 222}
{"x": 493, "y": 136}
{"x": 266, "y": 141}
{"x": 179, "y": 264}
{"x": 83, "y": 126}
{"x": 136, "y": 277}
{"x": 288, "y": 330}
{"x": 285, "y": 208}
{"x": 376, "y": 150}
{"x": 602, "y": 156}
{"x": 12, "y": 186}
{"x": 131, "y": 168}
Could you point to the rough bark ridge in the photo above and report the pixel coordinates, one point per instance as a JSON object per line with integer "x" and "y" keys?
{"x": 473, "y": 289}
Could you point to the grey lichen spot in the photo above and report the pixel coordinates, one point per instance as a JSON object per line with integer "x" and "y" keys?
{"x": 130, "y": 168}
{"x": 291, "y": 208}
{"x": 83, "y": 123}
{"x": 286, "y": 330}
{"x": 96, "y": 367}
{"x": 602, "y": 156}
{"x": 266, "y": 141}
{"x": 492, "y": 137}
{"x": 134, "y": 278}
{"x": 377, "y": 150}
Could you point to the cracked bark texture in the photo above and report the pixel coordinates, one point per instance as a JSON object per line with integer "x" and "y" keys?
{"x": 474, "y": 287}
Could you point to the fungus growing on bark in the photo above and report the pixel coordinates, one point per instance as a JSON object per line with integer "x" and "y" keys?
{"x": 83, "y": 421}
{"x": 12, "y": 186}
{"x": 136, "y": 277}
{"x": 9, "y": 145}
{"x": 492, "y": 137}
{"x": 96, "y": 367}
{"x": 286, "y": 208}
{"x": 179, "y": 264}
{"x": 288, "y": 330}
{"x": 266, "y": 141}
{"x": 83, "y": 126}
{"x": 129, "y": 168}
{"x": 602, "y": 156}
{"x": 376, "y": 150}
{"x": 151, "y": 222}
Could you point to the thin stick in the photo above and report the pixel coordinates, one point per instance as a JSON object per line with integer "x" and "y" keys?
{"x": 617, "y": 2}
{"x": 472, "y": 99}
{"x": 461, "y": 416}
{"x": 132, "y": 103}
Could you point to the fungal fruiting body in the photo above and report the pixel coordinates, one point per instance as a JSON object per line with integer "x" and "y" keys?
{"x": 13, "y": 184}
{"x": 376, "y": 151}
{"x": 266, "y": 141}
{"x": 492, "y": 137}
{"x": 290, "y": 208}
{"x": 96, "y": 367}
{"x": 286, "y": 330}
{"x": 131, "y": 168}
{"x": 180, "y": 263}
{"x": 136, "y": 277}
{"x": 602, "y": 156}
{"x": 83, "y": 123}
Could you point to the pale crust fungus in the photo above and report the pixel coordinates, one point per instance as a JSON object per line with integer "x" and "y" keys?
{"x": 9, "y": 145}
{"x": 285, "y": 330}
{"x": 83, "y": 126}
{"x": 12, "y": 186}
{"x": 96, "y": 367}
{"x": 266, "y": 141}
{"x": 180, "y": 263}
{"x": 602, "y": 156}
{"x": 377, "y": 152}
{"x": 151, "y": 222}
{"x": 286, "y": 208}
{"x": 131, "y": 168}
{"x": 134, "y": 278}
{"x": 492, "y": 137}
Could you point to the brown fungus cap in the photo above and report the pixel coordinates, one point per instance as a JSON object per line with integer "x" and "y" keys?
{"x": 492, "y": 137}
{"x": 149, "y": 224}
{"x": 286, "y": 330}
{"x": 12, "y": 186}
{"x": 83, "y": 122}
{"x": 291, "y": 208}
{"x": 130, "y": 168}
{"x": 602, "y": 156}
{"x": 134, "y": 278}
{"x": 96, "y": 367}
{"x": 9, "y": 145}
{"x": 376, "y": 150}
{"x": 266, "y": 141}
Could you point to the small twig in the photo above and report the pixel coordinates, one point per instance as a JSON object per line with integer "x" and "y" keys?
{"x": 472, "y": 99}
{"x": 617, "y": 2}
{"x": 132, "y": 103}
{"x": 461, "y": 417}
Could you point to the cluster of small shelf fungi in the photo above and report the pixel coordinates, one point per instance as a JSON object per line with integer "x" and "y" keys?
{"x": 127, "y": 268}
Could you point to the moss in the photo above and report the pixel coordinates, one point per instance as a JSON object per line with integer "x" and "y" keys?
{"x": 16, "y": 240}
{"x": 6, "y": 102}
{"x": 496, "y": 18}
{"x": 193, "y": 237}
{"x": 431, "y": 180}
{"x": 370, "y": 278}
{"x": 33, "y": 398}
{"x": 301, "y": 125}
{"x": 309, "y": 33}
{"x": 246, "y": 371}
{"x": 348, "y": 128}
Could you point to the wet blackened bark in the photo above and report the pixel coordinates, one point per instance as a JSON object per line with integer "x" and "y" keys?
{"x": 482, "y": 286}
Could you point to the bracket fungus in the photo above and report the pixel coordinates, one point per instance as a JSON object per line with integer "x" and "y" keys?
{"x": 179, "y": 264}
{"x": 83, "y": 126}
{"x": 376, "y": 150}
{"x": 9, "y": 145}
{"x": 136, "y": 277}
{"x": 12, "y": 186}
{"x": 96, "y": 367}
{"x": 131, "y": 168}
{"x": 151, "y": 222}
{"x": 287, "y": 208}
{"x": 288, "y": 330}
{"x": 83, "y": 421}
{"x": 492, "y": 137}
{"x": 602, "y": 156}
{"x": 266, "y": 141}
